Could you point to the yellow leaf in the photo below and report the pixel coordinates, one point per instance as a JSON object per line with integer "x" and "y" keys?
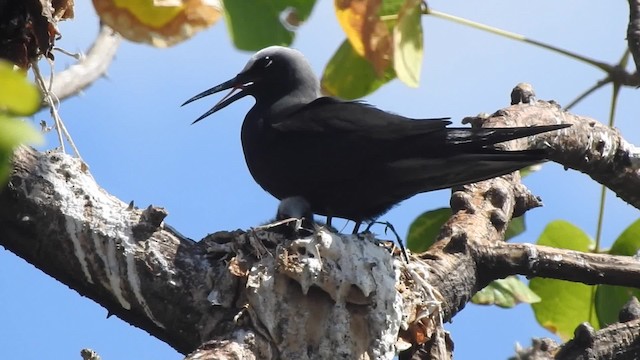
{"x": 160, "y": 23}
{"x": 366, "y": 32}
{"x": 408, "y": 43}
{"x": 351, "y": 16}
{"x": 14, "y": 132}
{"x": 17, "y": 95}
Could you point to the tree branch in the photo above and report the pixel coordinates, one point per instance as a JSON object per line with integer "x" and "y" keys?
{"x": 256, "y": 291}
{"x": 89, "y": 68}
{"x": 588, "y": 146}
{"x": 620, "y": 341}
{"x": 55, "y": 216}
{"x": 503, "y": 259}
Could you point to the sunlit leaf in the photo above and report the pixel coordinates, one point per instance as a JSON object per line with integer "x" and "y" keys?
{"x": 254, "y": 25}
{"x": 160, "y": 23}
{"x": 368, "y": 34}
{"x": 506, "y": 293}
{"x": 350, "y": 76}
{"x": 390, "y": 7}
{"x": 564, "y": 305}
{"x": 515, "y": 228}
{"x": 351, "y": 16}
{"x": 628, "y": 243}
{"x": 526, "y": 171}
{"x": 425, "y": 229}
{"x": 17, "y": 95}
{"x": 408, "y": 43}
{"x": 610, "y": 299}
{"x": 14, "y": 132}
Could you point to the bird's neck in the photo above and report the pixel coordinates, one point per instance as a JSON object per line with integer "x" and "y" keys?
{"x": 284, "y": 105}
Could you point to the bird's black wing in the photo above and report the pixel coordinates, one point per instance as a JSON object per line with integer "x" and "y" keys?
{"x": 353, "y": 119}
{"x": 337, "y": 142}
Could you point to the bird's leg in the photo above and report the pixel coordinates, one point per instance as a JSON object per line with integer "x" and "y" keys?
{"x": 393, "y": 230}
{"x": 356, "y": 227}
{"x": 368, "y": 229}
{"x": 399, "y": 240}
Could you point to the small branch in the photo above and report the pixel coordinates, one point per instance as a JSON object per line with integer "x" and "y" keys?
{"x": 589, "y": 91}
{"x": 633, "y": 32}
{"x": 504, "y": 259}
{"x": 90, "y": 67}
{"x": 514, "y": 36}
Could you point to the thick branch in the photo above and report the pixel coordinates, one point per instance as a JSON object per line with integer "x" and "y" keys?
{"x": 55, "y": 216}
{"x": 254, "y": 291}
{"x": 503, "y": 259}
{"x": 588, "y": 146}
{"x": 229, "y": 287}
{"x": 620, "y": 341}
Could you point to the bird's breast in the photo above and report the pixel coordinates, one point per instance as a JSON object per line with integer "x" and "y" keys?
{"x": 269, "y": 162}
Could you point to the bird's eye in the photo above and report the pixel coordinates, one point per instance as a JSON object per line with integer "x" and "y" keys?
{"x": 266, "y": 61}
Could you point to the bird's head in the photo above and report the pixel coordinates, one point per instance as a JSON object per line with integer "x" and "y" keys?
{"x": 272, "y": 74}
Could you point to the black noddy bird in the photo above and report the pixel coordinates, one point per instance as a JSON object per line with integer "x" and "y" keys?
{"x": 296, "y": 207}
{"x": 349, "y": 159}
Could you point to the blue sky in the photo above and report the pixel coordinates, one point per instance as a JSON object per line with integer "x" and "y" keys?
{"x": 140, "y": 146}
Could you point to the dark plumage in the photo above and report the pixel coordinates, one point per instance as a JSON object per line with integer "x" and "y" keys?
{"x": 349, "y": 159}
{"x": 296, "y": 207}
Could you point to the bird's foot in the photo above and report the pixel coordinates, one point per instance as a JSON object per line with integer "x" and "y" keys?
{"x": 389, "y": 226}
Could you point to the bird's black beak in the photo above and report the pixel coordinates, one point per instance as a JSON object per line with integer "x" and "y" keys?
{"x": 235, "y": 84}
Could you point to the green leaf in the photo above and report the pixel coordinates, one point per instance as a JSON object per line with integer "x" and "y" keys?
{"x": 254, "y": 25}
{"x": 505, "y": 293}
{"x": 610, "y": 299}
{"x": 17, "y": 95}
{"x": 350, "y": 76}
{"x": 408, "y": 43}
{"x": 628, "y": 243}
{"x": 390, "y": 7}
{"x": 564, "y": 235}
{"x": 515, "y": 228}
{"x": 564, "y": 305}
{"x": 526, "y": 171}
{"x": 425, "y": 229}
{"x": 13, "y": 132}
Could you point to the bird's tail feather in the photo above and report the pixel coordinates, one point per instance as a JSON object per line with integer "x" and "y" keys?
{"x": 461, "y": 169}
{"x": 489, "y": 136}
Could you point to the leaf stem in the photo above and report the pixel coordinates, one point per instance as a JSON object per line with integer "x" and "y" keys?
{"x": 514, "y": 36}
{"x": 603, "y": 189}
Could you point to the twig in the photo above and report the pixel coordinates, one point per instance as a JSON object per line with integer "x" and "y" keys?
{"x": 89, "y": 68}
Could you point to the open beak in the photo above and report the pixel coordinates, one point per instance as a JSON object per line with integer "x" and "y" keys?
{"x": 234, "y": 84}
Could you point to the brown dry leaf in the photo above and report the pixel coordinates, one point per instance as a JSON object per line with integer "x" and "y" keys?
{"x": 417, "y": 330}
{"x": 236, "y": 268}
{"x": 62, "y": 9}
{"x": 368, "y": 35}
{"x": 27, "y": 31}
{"x": 160, "y": 23}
